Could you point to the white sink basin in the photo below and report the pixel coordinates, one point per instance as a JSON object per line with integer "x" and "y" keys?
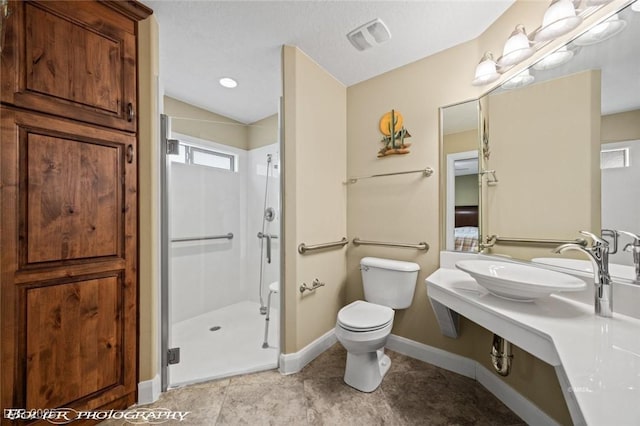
{"x": 517, "y": 282}
{"x": 585, "y": 266}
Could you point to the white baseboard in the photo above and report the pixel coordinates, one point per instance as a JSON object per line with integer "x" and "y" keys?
{"x": 294, "y": 362}
{"x": 438, "y": 357}
{"x": 520, "y": 405}
{"x": 149, "y": 390}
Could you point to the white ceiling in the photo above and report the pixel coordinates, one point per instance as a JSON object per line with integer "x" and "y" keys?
{"x": 201, "y": 41}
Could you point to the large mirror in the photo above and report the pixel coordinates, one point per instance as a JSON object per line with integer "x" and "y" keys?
{"x": 459, "y": 165}
{"x": 564, "y": 145}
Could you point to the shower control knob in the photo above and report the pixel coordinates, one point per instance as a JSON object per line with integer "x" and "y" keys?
{"x": 269, "y": 214}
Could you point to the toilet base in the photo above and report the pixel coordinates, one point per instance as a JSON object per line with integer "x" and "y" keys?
{"x": 364, "y": 372}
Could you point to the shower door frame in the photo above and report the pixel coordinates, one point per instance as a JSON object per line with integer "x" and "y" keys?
{"x": 165, "y": 133}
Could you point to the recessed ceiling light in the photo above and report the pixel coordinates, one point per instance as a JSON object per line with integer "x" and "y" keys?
{"x": 228, "y": 82}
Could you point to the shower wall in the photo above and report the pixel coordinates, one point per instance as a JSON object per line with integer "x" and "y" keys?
{"x": 208, "y": 275}
{"x": 257, "y": 166}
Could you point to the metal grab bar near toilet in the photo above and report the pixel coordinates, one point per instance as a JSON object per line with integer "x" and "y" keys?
{"x": 492, "y": 240}
{"x": 303, "y": 248}
{"x": 420, "y": 246}
{"x": 228, "y": 236}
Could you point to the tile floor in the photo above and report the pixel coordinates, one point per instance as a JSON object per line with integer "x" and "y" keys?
{"x": 412, "y": 393}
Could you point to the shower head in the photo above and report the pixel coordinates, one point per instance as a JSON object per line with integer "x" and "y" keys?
{"x": 268, "y": 158}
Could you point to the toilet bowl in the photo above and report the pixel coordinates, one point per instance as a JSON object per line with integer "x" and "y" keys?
{"x": 363, "y": 327}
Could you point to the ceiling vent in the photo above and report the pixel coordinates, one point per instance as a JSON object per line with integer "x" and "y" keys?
{"x": 368, "y": 35}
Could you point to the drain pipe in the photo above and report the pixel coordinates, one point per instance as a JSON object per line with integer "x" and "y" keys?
{"x": 501, "y": 355}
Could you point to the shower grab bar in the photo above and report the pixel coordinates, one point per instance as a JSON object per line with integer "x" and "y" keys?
{"x": 494, "y": 239}
{"x": 428, "y": 171}
{"x": 420, "y": 246}
{"x": 228, "y": 236}
{"x": 303, "y": 248}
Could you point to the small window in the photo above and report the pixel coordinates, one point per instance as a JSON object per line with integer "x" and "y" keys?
{"x": 204, "y": 157}
{"x": 614, "y": 158}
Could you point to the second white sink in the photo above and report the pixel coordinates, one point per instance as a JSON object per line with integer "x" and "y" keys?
{"x": 518, "y": 282}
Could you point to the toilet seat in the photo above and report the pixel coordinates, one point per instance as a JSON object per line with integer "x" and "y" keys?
{"x": 361, "y": 316}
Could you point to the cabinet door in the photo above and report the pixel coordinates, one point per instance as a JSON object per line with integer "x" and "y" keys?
{"x": 68, "y": 266}
{"x": 75, "y": 62}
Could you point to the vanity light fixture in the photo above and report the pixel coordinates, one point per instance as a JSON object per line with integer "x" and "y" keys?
{"x": 516, "y": 49}
{"x": 601, "y": 32}
{"x": 228, "y": 82}
{"x": 486, "y": 71}
{"x": 559, "y": 19}
{"x": 519, "y": 80}
{"x": 554, "y": 59}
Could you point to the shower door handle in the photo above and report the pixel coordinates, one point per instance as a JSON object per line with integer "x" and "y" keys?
{"x": 269, "y": 237}
{"x": 268, "y": 248}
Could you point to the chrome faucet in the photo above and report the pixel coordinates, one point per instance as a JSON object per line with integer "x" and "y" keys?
{"x": 598, "y": 254}
{"x": 634, "y": 248}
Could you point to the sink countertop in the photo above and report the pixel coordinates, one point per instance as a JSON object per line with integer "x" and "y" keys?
{"x": 598, "y": 357}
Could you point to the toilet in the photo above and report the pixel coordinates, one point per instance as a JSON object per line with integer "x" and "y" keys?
{"x": 363, "y": 326}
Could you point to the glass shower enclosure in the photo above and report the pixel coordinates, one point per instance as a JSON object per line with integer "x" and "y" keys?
{"x": 220, "y": 255}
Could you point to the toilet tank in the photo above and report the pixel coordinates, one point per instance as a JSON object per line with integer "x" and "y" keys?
{"x": 389, "y": 282}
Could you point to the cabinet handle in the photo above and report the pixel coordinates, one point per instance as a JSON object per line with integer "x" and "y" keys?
{"x": 130, "y": 112}
{"x": 129, "y": 153}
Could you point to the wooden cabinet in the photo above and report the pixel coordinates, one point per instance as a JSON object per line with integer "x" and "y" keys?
{"x": 71, "y": 59}
{"x": 68, "y": 206}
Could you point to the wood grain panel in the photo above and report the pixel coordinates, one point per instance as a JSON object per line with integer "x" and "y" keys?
{"x": 74, "y": 334}
{"x": 71, "y": 62}
{"x": 74, "y": 203}
{"x": 68, "y": 205}
{"x": 72, "y": 59}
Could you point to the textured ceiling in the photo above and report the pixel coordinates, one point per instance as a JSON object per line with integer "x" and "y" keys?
{"x": 201, "y": 41}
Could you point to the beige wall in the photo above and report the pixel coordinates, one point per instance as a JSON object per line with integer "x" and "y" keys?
{"x": 460, "y": 142}
{"x": 314, "y": 196}
{"x": 200, "y": 123}
{"x": 545, "y": 148}
{"x": 466, "y": 190}
{"x": 262, "y": 132}
{"x": 194, "y": 121}
{"x": 619, "y": 127}
{"x": 404, "y": 208}
{"x": 148, "y": 196}
{"x": 417, "y": 91}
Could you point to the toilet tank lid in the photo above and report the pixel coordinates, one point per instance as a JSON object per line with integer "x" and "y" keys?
{"x": 394, "y": 265}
